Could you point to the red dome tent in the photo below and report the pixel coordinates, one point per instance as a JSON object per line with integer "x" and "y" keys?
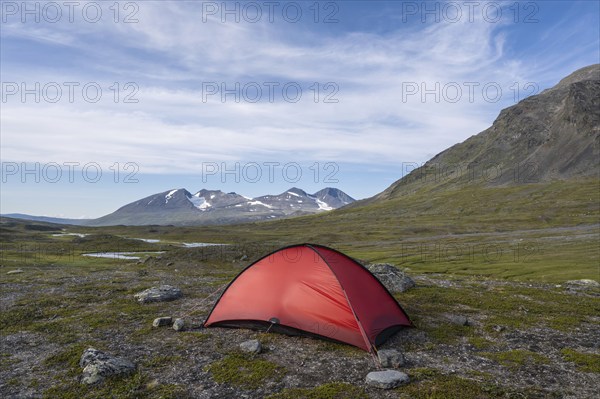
{"x": 311, "y": 290}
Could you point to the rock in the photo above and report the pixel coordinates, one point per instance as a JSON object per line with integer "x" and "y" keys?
{"x": 16, "y": 271}
{"x": 583, "y": 283}
{"x": 252, "y": 346}
{"x": 394, "y": 279}
{"x": 457, "y": 319}
{"x": 98, "y": 365}
{"x": 244, "y": 257}
{"x": 158, "y": 294}
{"x": 162, "y": 321}
{"x": 170, "y": 263}
{"x": 391, "y": 358}
{"x": 178, "y": 324}
{"x": 386, "y": 379}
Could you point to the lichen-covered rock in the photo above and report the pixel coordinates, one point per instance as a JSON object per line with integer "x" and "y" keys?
{"x": 162, "y": 321}
{"x": 252, "y": 346}
{"x": 159, "y": 294}
{"x": 394, "y": 279}
{"x": 386, "y": 379}
{"x": 98, "y": 365}
{"x": 391, "y": 358}
{"x": 178, "y": 324}
{"x": 457, "y": 319}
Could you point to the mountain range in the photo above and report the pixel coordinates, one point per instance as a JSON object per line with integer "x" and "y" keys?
{"x": 181, "y": 207}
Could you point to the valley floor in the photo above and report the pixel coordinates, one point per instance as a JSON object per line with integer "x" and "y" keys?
{"x": 525, "y": 339}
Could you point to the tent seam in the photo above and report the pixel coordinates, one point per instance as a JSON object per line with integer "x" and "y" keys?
{"x": 362, "y": 330}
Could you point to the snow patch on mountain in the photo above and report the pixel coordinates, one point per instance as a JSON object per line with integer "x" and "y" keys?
{"x": 199, "y": 202}
{"x": 259, "y": 203}
{"x": 169, "y": 196}
{"x": 323, "y": 205}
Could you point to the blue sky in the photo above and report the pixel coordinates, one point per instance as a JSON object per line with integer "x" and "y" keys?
{"x": 358, "y": 91}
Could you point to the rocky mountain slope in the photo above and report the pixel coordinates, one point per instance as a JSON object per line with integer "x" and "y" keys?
{"x": 554, "y": 135}
{"x": 180, "y": 207}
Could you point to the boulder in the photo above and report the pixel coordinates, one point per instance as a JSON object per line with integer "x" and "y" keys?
{"x": 253, "y": 346}
{"x": 158, "y": 294}
{"x": 162, "y": 321}
{"x": 98, "y": 365}
{"x": 178, "y": 325}
{"x": 391, "y": 358}
{"x": 386, "y": 379}
{"x": 458, "y": 319}
{"x": 394, "y": 279}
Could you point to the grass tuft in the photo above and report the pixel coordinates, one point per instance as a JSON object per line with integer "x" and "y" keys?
{"x": 334, "y": 390}
{"x": 244, "y": 371}
{"x": 587, "y": 362}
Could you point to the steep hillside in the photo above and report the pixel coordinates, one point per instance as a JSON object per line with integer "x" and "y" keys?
{"x": 554, "y": 135}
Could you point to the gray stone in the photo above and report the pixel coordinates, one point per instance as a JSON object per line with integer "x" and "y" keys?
{"x": 252, "y": 346}
{"x": 394, "y": 279}
{"x": 391, "y": 358}
{"x": 457, "y": 319}
{"x": 178, "y": 325}
{"x": 386, "y": 379}
{"x": 158, "y": 294}
{"x": 16, "y": 271}
{"x": 98, "y": 365}
{"x": 162, "y": 321}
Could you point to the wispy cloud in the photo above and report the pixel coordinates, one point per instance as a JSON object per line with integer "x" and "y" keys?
{"x": 170, "y": 53}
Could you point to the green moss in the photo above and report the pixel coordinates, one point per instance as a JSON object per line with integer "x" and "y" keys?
{"x": 334, "y": 390}
{"x": 38, "y": 313}
{"x": 244, "y": 371}
{"x": 13, "y": 382}
{"x": 67, "y": 359}
{"x": 505, "y": 306}
{"x": 339, "y": 348}
{"x": 434, "y": 385}
{"x": 516, "y": 358}
{"x": 421, "y": 373}
{"x": 481, "y": 375}
{"x": 587, "y": 362}
{"x": 6, "y": 361}
{"x": 429, "y": 383}
{"x": 480, "y": 343}
{"x": 566, "y": 322}
{"x": 18, "y": 318}
{"x": 135, "y": 386}
{"x": 161, "y": 361}
{"x": 59, "y": 331}
{"x": 446, "y": 333}
{"x": 34, "y": 383}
